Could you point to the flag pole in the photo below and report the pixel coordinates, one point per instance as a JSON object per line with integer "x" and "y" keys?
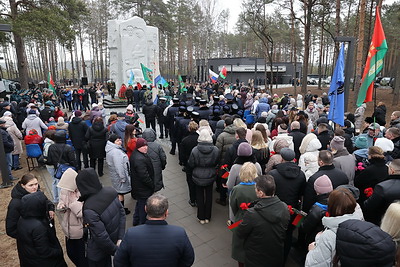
{"x": 375, "y": 89}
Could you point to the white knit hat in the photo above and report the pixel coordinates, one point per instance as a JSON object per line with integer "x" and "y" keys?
{"x": 385, "y": 144}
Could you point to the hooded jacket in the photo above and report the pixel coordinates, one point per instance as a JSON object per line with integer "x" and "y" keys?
{"x": 345, "y": 162}
{"x": 290, "y": 182}
{"x": 225, "y": 140}
{"x": 72, "y": 221}
{"x": 61, "y": 124}
{"x": 202, "y": 161}
{"x": 312, "y": 224}
{"x": 32, "y": 121}
{"x": 60, "y": 152}
{"x": 119, "y": 129}
{"x": 325, "y": 248}
{"x": 118, "y": 168}
{"x": 103, "y": 213}
{"x": 97, "y": 138}
{"x": 15, "y": 134}
{"x": 14, "y": 209}
{"x": 157, "y": 156}
{"x": 37, "y": 242}
{"x": 360, "y": 243}
{"x": 77, "y": 130}
{"x": 263, "y": 230}
{"x": 149, "y": 110}
{"x": 308, "y": 161}
{"x": 8, "y": 142}
{"x": 142, "y": 175}
{"x": 262, "y": 106}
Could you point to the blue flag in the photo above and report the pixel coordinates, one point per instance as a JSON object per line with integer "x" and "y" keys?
{"x": 131, "y": 78}
{"x": 160, "y": 80}
{"x": 336, "y": 91}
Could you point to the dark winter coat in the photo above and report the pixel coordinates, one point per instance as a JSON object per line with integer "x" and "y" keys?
{"x": 297, "y": 138}
{"x": 61, "y": 152}
{"x": 103, "y": 213}
{"x": 380, "y": 115}
{"x": 77, "y": 130}
{"x": 360, "y": 243}
{"x": 8, "y": 142}
{"x": 186, "y": 146}
{"x": 204, "y": 113}
{"x": 395, "y": 153}
{"x": 373, "y": 174}
{"x": 96, "y": 137}
{"x": 231, "y": 154}
{"x": 155, "y": 243}
{"x": 202, "y": 162}
{"x": 225, "y": 140}
{"x": 157, "y": 156}
{"x": 37, "y": 242}
{"x": 336, "y": 176}
{"x": 264, "y": 229}
{"x": 119, "y": 129}
{"x": 325, "y": 139}
{"x": 142, "y": 175}
{"x": 312, "y": 224}
{"x": 46, "y": 113}
{"x": 290, "y": 182}
{"x": 262, "y": 157}
{"x": 14, "y": 209}
{"x": 149, "y": 110}
{"x": 385, "y": 193}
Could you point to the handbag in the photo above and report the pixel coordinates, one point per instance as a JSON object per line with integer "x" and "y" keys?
{"x": 61, "y": 167}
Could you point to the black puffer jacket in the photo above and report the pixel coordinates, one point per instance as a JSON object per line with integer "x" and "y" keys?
{"x": 263, "y": 230}
{"x": 380, "y": 115}
{"x": 97, "y": 138}
{"x": 142, "y": 175}
{"x": 37, "y": 242}
{"x": 371, "y": 176}
{"x": 395, "y": 154}
{"x": 312, "y": 224}
{"x": 60, "y": 152}
{"x": 150, "y": 110}
{"x": 385, "y": 193}
{"x": 297, "y": 138}
{"x": 77, "y": 130}
{"x": 290, "y": 182}
{"x": 14, "y": 209}
{"x": 104, "y": 214}
{"x": 186, "y": 146}
{"x": 360, "y": 243}
{"x": 202, "y": 162}
{"x": 46, "y": 113}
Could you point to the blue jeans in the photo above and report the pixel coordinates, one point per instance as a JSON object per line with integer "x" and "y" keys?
{"x": 55, "y": 189}
{"x": 139, "y": 217}
{"x": 15, "y": 159}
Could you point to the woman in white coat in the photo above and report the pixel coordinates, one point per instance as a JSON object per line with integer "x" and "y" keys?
{"x": 308, "y": 160}
{"x": 16, "y": 136}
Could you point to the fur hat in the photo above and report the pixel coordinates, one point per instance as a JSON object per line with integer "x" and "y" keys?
{"x": 385, "y": 144}
{"x": 244, "y": 149}
{"x": 337, "y": 143}
{"x": 323, "y": 185}
{"x": 204, "y": 136}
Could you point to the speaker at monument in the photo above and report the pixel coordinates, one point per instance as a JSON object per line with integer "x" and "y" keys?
{"x": 85, "y": 81}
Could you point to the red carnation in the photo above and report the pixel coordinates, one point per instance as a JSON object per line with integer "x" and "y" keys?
{"x": 290, "y": 208}
{"x": 244, "y": 206}
{"x": 368, "y": 191}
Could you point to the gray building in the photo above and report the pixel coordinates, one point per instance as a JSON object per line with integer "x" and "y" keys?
{"x": 244, "y": 69}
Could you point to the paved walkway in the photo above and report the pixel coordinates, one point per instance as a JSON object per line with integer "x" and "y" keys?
{"x": 211, "y": 242}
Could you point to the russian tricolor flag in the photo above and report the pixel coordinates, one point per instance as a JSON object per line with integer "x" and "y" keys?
{"x": 213, "y": 76}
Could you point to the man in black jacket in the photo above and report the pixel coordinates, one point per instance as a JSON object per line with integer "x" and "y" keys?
{"x": 185, "y": 148}
{"x": 297, "y": 137}
{"x": 155, "y": 243}
{"x": 323, "y": 136}
{"x": 150, "y": 113}
{"x": 77, "y": 130}
{"x": 337, "y": 177}
{"x": 46, "y": 113}
{"x": 393, "y": 134}
{"x": 8, "y": 145}
{"x": 290, "y": 182}
{"x": 103, "y": 215}
{"x": 142, "y": 179}
{"x": 136, "y": 98}
{"x": 162, "y": 120}
{"x": 384, "y": 194}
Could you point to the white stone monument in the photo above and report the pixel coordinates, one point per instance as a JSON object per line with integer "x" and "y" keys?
{"x": 130, "y": 43}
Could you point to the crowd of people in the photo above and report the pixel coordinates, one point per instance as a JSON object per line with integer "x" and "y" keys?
{"x": 288, "y": 176}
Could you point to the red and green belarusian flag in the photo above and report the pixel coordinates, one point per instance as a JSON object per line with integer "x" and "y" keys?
{"x": 374, "y": 64}
{"x": 51, "y": 83}
{"x": 223, "y": 73}
{"x": 181, "y": 83}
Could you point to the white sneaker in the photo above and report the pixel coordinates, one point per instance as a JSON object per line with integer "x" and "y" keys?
{"x": 202, "y": 221}
{"x": 206, "y": 221}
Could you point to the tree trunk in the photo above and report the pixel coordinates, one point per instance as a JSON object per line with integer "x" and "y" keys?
{"x": 20, "y": 50}
{"x": 307, "y": 31}
{"x": 360, "y": 45}
{"x": 396, "y": 90}
{"x": 321, "y": 54}
{"x": 77, "y": 63}
{"x": 72, "y": 64}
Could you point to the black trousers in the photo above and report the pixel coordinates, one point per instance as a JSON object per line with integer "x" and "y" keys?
{"x": 76, "y": 251}
{"x": 78, "y": 152}
{"x": 204, "y": 201}
{"x": 192, "y": 186}
{"x": 99, "y": 166}
{"x": 137, "y": 105}
{"x": 151, "y": 122}
{"x": 104, "y": 262}
{"x": 163, "y": 129}
{"x": 130, "y": 100}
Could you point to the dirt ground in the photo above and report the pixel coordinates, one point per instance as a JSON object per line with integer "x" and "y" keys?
{"x": 7, "y": 244}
